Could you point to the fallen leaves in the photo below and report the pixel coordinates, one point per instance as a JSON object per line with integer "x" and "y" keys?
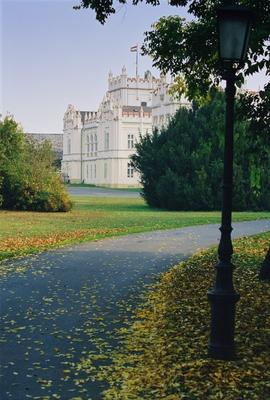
{"x": 20, "y": 245}
{"x": 164, "y": 352}
{"x": 24, "y": 233}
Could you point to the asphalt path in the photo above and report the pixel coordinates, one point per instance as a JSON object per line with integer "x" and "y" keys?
{"x": 62, "y": 307}
{"x": 101, "y": 192}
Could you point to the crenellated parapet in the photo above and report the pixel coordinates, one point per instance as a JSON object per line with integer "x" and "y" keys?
{"x": 123, "y": 81}
{"x": 91, "y": 116}
{"x": 75, "y": 119}
{"x": 97, "y": 144}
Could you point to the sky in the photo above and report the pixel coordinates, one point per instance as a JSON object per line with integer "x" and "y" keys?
{"x": 53, "y": 55}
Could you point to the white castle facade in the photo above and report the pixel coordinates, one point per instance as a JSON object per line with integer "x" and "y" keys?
{"x": 97, "y": 144}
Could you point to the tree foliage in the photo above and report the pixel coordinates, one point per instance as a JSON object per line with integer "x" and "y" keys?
{"x": 181, "y": 166}
{"x": 190, "y": 48}
{"x": 104, "y": 8}
{"x": 28, "y": 180}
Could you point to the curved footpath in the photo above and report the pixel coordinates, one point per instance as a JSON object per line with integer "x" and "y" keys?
{"x": 62, "y": 306}
{"x": 102, "y": 192}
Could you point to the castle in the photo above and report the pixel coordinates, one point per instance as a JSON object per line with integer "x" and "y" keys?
{"x": 97, "y": 144}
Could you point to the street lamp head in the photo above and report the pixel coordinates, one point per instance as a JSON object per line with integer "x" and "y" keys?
{"x": 234, "y": 24}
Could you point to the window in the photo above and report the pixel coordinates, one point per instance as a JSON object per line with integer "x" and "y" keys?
{"x": 130, "y": 170}
{"x": 130, "y": 141}
{"x": 106, "y": 141}
{"x": 87, "y": 171}
{"x": 105, "y": 170}
{"x": 69, "y": 146}
{"x": 91, "y": 171}
{"x": 95, "y": 171}
{"x": 87, "y": 145}
{"x": 95, "y": 141}
{"x": 92, "y": 144}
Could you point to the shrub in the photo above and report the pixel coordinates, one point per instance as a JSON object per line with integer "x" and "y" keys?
{"x": 28, "y": 180}
{"x": 181, "y": 167}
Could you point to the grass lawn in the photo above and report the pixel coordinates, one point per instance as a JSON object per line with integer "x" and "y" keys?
{"x": 164, "y": 352}
{"x": 93, "y": 218}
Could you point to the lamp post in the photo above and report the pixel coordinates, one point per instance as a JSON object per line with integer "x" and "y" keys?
{"x": 234, "y": 24}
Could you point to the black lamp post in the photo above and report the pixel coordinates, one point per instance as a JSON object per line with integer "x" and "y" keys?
{"x": 234, "y": 24}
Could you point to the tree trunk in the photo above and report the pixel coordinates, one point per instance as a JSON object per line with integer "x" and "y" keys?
{"x": 265, "y": 268}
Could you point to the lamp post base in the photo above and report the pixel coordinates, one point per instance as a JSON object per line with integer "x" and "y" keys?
{"x": 226, "y": 353}
{"x": 221, "y": 346}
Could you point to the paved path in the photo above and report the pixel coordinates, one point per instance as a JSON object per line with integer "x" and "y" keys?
{"x": 102, "y": 192}
{"x": 63, "y": 306}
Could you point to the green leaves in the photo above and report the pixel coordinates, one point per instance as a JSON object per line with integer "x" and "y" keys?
{"x": 181, "y": 167}
{"x": 28, "y": 180}
{"x": 191, "y": 48}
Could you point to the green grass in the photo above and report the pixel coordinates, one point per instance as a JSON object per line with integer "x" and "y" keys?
{"x": 94, "y": 218}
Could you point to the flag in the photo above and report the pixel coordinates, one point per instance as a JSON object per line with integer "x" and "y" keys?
{"x": 134, "y": 48}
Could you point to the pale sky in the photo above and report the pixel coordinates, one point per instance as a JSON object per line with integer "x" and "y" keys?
{"x": 52, "y": 56}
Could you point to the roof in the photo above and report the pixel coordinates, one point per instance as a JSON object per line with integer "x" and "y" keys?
{"x": 136, "y": 108}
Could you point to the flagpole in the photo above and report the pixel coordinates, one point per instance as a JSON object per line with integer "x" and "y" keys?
{"x": 137, "y": 61}
{"x": 133, "y": 49}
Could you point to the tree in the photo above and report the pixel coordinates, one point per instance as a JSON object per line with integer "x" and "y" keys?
{"x": 11, "y": 149}
{"x": 28, "y": 180}
{"x": 181, "y": 166}
{"x": 190, "y": 48}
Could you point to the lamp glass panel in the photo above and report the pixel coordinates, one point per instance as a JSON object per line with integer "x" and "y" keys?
{"x": 232, "y": 38}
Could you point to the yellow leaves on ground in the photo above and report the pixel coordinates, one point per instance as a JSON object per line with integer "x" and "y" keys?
{"x": 19, "y": 244}
{"x": 164, "y": 355}
{"x": 24, "y": 232}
